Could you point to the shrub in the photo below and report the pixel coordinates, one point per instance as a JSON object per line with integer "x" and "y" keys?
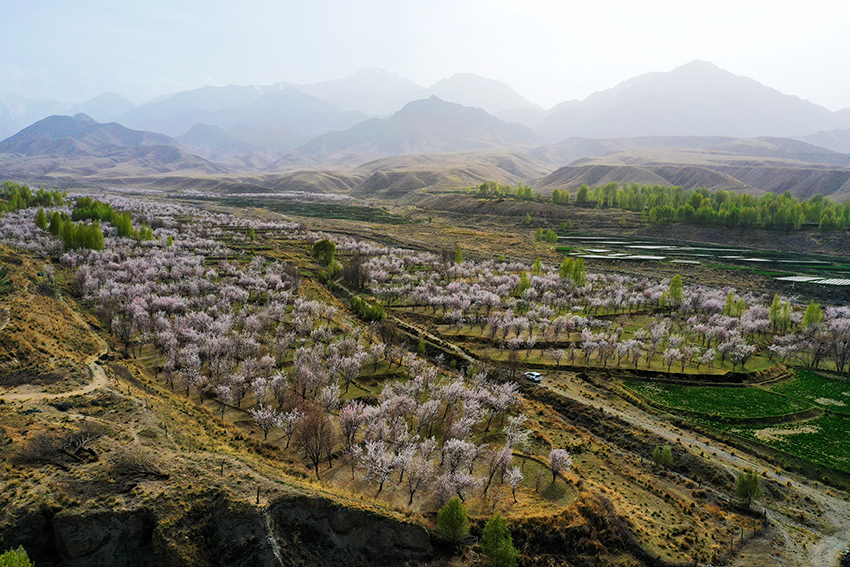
{"x": 663, "y": 456}
{"x": 367, "y": 312}
{"x": 748, "y": 486}
{"x": 44, "y": 448}
{"x": 15, "y": 558}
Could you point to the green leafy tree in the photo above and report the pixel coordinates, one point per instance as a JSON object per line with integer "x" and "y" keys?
{"x": 583, "y": 195}
{"x": 729, "y": 306}
{"x": 748, "y": 486}
{"x": 458, "y": 255}
{"x": 550, "y": 236}
{"x": 15, "y": 558}
{"x": 523, "y": 284}
{"x": 537, "y": 268}
{"x": 561, "y": 197}
{"x": 41, "y": 219}
{"x": 813, "y": 315}
{"x": 497, "y": 543}
{"x": 367, "y": 312}
{"x": 579, "y": 274}
{"x": 676, "y": 291}
{"x": 324, "y": 251}
{"x": 453, "y": 521}
{"x": 775, "y": 312}
{"x": 566, "y": 268}
{"x": 334, "y": 269}
{"x": 785, "y": 317}
{"x": 527, "y": 219}
{"x": 56, "y": 222}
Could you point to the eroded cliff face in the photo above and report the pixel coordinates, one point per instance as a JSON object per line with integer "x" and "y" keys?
{"x": 344, "y": 536}
{"x": 306, "y": 531}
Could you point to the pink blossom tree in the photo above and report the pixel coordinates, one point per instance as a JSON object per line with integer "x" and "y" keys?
{"x": 560, "y": 461}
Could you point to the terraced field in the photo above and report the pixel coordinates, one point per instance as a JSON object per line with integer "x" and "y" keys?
{"x": 823, "y": 439}
{"x": 721, "y": 402}
{"x": 832, "y": 393}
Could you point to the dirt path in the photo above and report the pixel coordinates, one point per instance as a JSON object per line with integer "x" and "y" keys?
{"x": 99, "y": 379}
{"x": 832, "y": 540}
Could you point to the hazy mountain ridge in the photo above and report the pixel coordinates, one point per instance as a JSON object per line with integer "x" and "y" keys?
{"x": 695, "y": 99}
{"x": 490, "y": 95}
{"x": 370, "y": 91}
{"x": 80, "y": 146}
{"x": 18, "y": 112}
{"x": 53, "y": 134}
{"x": 286, "y": 109}
{"x": 219, "y": 146}
{"x": 280, "y": 131}
{"x": 424, "y": 126}
{"x": 835, "y": 140}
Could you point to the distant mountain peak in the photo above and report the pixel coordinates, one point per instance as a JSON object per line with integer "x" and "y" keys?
{"x": 80, "y": 141}
{"x": 377, "y": 73}
{"x": 84, "y": 118}
{"x": 700, "y": 65}
{"x": 436, "y": 106}
{"x": 422, "y": 126}
{"x": 470, "y": 89}
{"x": 695, "y": 99}
{"x": 371, "y": 90}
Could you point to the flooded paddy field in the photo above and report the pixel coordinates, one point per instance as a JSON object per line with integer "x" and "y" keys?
{"x": 792, "y": 267}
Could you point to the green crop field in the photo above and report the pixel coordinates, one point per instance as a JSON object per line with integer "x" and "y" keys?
{"x": 824, "y": 440}
{"x": 735, "y": 403}
{"x": 830, "y": 393}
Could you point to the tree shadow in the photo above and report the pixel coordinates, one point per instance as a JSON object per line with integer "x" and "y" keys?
{"x": 554, "y": 491}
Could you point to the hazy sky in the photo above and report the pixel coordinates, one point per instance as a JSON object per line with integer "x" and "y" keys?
{"x": 548, "y": 51}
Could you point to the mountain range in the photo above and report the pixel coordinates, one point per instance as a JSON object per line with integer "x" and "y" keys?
{"x": 696, "y": 99}
{"x": 62, "y": 147}
{"x": 422, "y": 126}
{"x": 18, "y": 112}
{"x": 696, "y": 125}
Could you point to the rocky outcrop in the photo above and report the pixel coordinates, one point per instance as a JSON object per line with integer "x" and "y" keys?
{"x": 121, "y": 539}
{"x": 214, "y": 531}
{"x": 349, "y": 536}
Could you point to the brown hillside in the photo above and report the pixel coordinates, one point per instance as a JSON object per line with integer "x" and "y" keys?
{"x": 41, "y": 331}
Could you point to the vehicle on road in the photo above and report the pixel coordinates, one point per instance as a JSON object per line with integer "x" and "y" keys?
{"x": 533, "y": 376}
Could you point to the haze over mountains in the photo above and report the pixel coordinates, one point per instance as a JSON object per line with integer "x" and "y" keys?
{"x": 60, "y": 147}
{"x": 422, "y": 126}
{"x": 696, "y": 125}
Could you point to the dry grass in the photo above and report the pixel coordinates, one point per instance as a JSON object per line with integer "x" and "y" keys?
{"x": 42, "y": 333}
